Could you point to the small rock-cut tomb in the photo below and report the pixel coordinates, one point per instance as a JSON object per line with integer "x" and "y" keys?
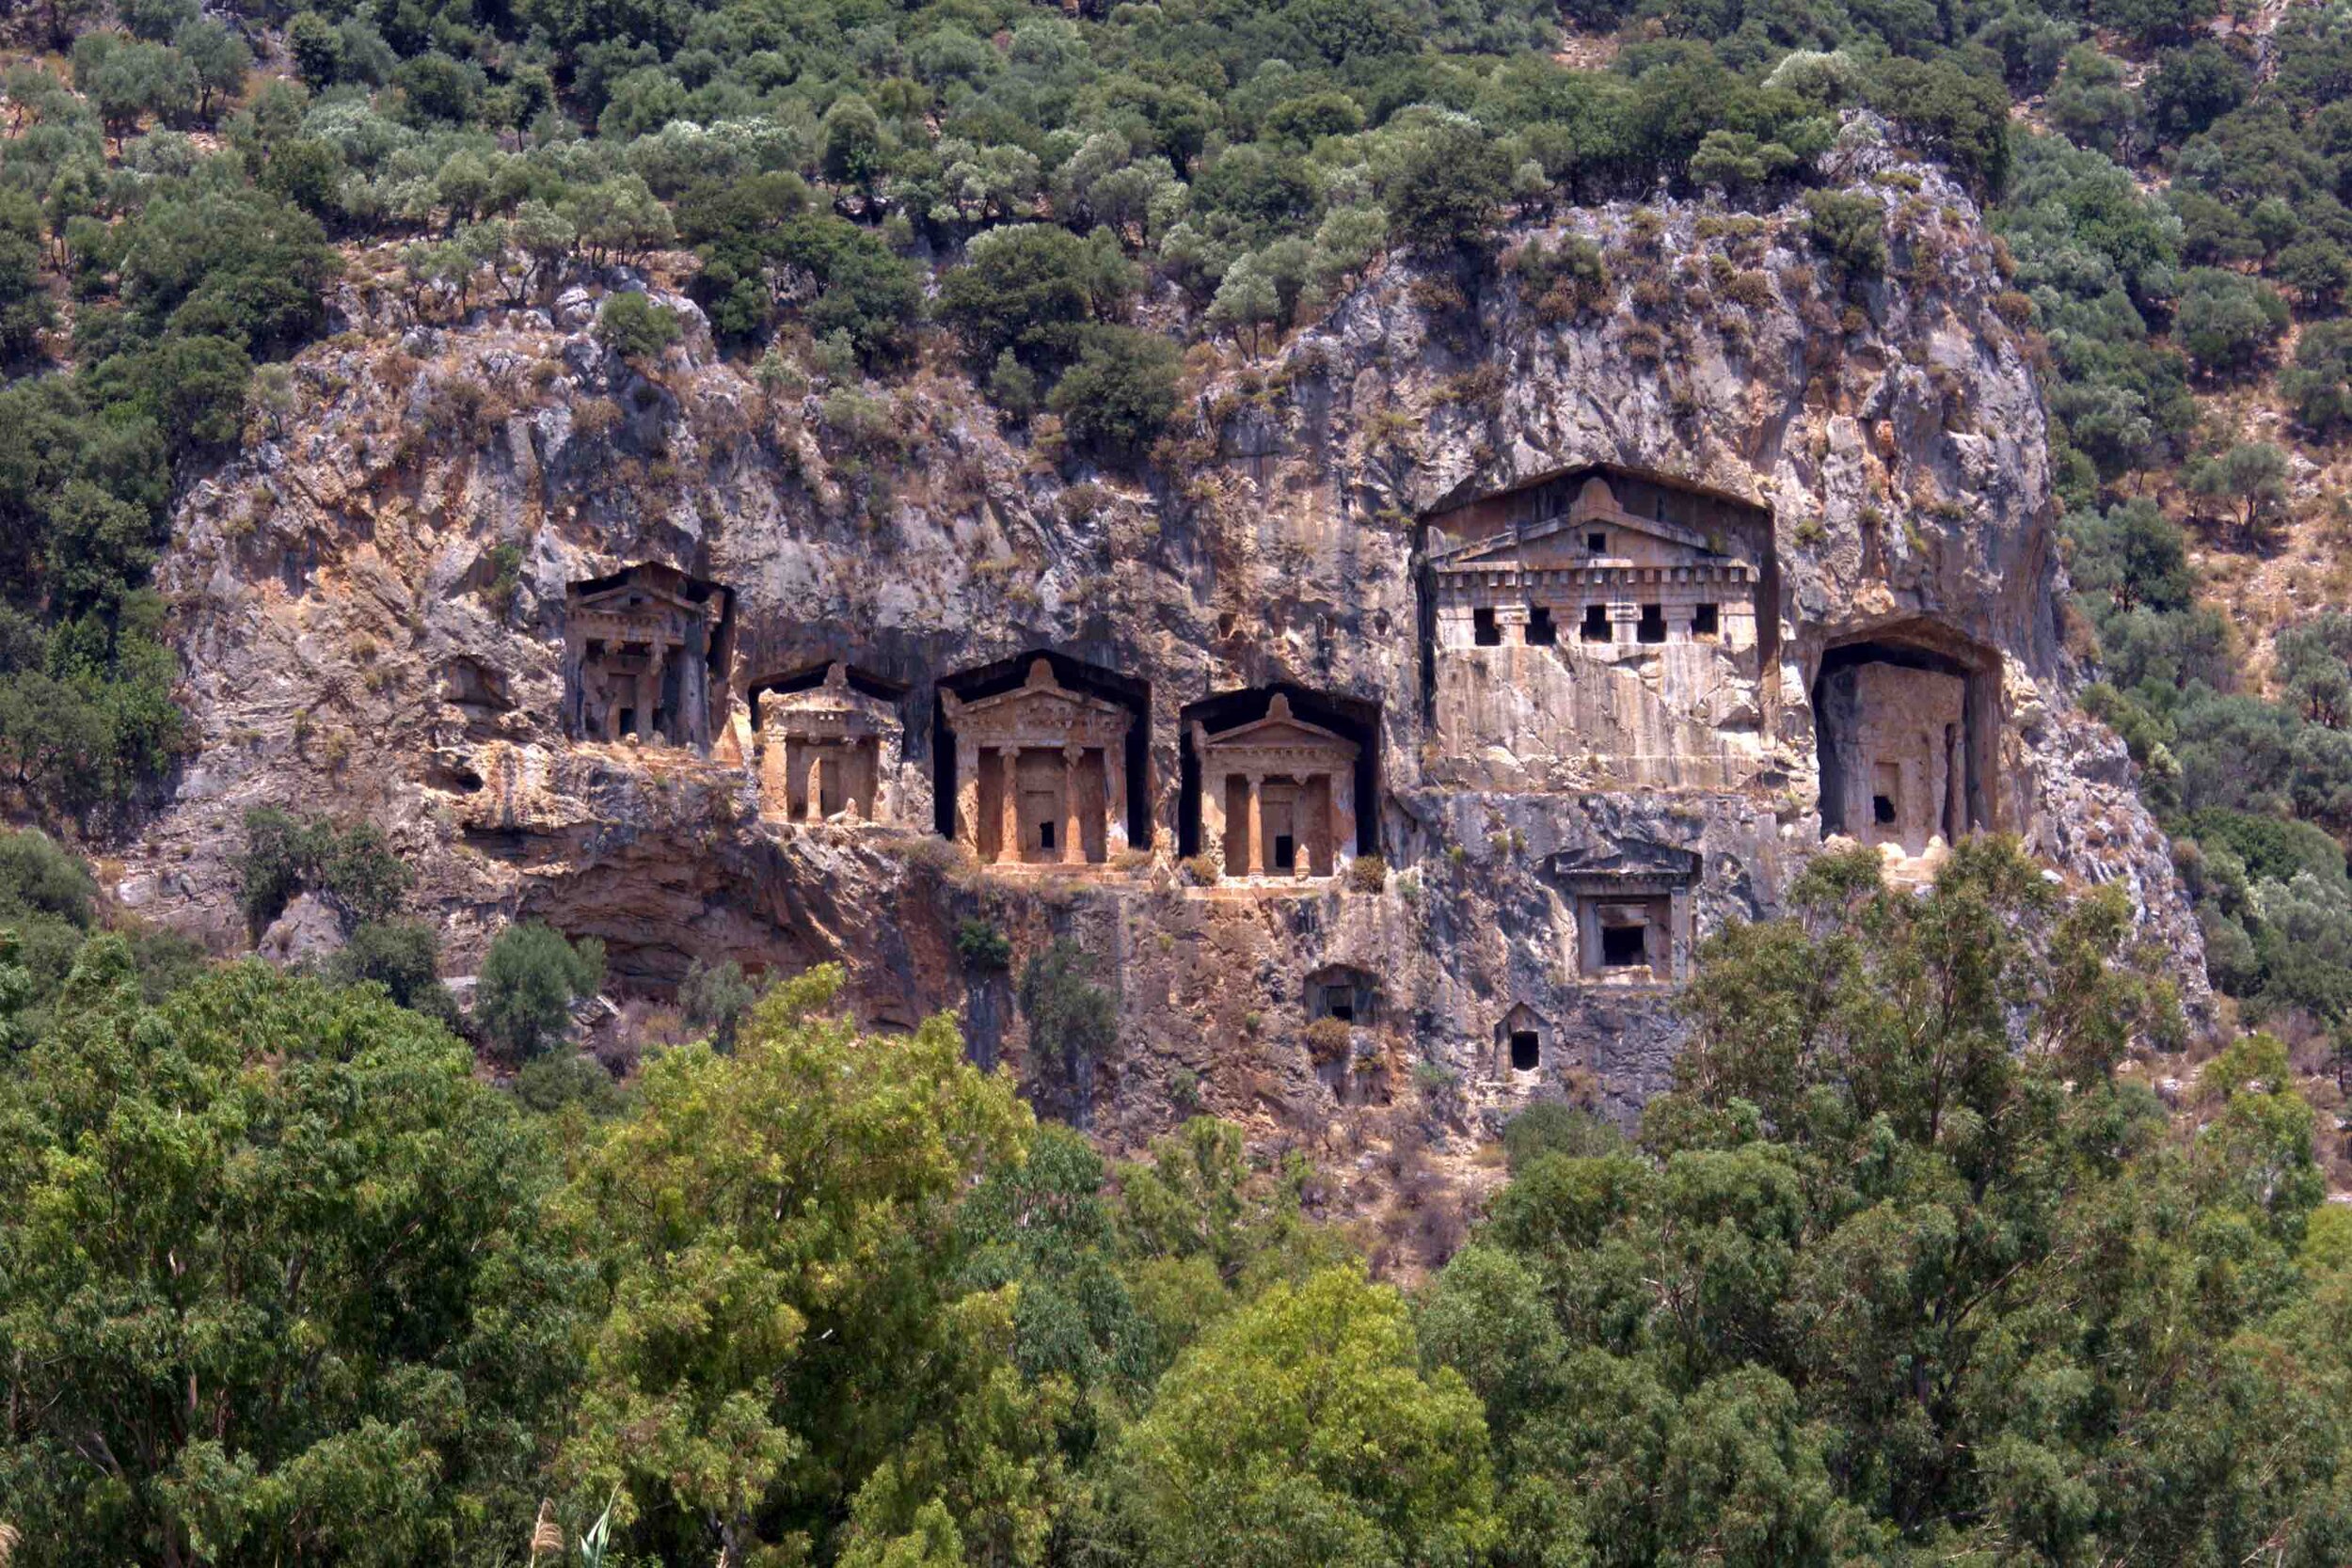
{"x": 824, "y": 748}
{"x": 647, "y": 655}
{"x": 1278, "y": 795}
{"x": 1041, "y": 772}
{"x": 1904, "y": 735}
{"x": 1632, "y": 906}
{"x": 1346, "y": 993}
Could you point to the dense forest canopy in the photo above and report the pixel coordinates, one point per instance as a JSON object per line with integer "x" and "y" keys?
{"x": 1912, "y": 1267}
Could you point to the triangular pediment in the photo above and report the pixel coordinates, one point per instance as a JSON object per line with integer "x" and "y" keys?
{"x": 1279, "y": 728}
{"x": 1559, "y": 544}
{"x": 1033, "y": 702}
{"x": 1266, "y": 732}
{"x": 637, "y": 599}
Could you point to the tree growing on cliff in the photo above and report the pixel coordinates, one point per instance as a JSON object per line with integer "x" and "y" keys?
{"x": 530, "y": 980}
{"x": 1073, "y": 1023}
{"x": 637, "y": 330}
{"x": 1445, "y": 185}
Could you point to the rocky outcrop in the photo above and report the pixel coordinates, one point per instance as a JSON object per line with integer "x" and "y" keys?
{"x": 370, "y": 602}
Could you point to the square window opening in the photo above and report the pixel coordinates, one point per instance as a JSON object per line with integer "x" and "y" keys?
{"x": 1596, "y": 627}
{"x": 1882, "y": 811}
{"x": 1285, "y": 853}
{"x": 1484, "y": 631}
{"x": 1624, "y": 946}
{"x": 1597, "y": 544}
{"x": 1540, "y": 630}
{"x": 1706, "y": 621}
{"x": 628, "y": 721}
{"x": 1526, "y": 1051}
{"x": 1653, "y": 624}
{"x": 1045, "y": 835}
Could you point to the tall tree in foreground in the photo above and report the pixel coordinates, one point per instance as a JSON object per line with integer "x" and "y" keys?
{"x": 783, "y": 1312}
{"x": 271, "y": 1282}
{"x": 1303, "y": 1428}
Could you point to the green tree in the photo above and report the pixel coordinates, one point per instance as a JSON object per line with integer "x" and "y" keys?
{"x": 783, "y": 1324}
{"x": 1121, "y": 393}
{"x": 1959, "y": 114}
{"x": 2319, "y": 383}
{"x": 1811, "y": 1316}
{"x": 1034, "y": 289}
{"x": 217, "y": 56}
{"x": 274, "y": 1284}
{"x": 1444, "y": 186}
{"x": 1850, "y": 227}
{"x": 25, "y": 307}
{"x": 2226, "y": 322}
{"x": 2192, "y": 87}
{"x": 715, "y": 997}
{"x": 1303, "y": 1428}
{"x": 864, "y": 290}
{"x": 404, "y": 958}
{"x": 287, "y": 854}
{"x": 635, "y": 328}
{"x": 1074, "y": 1023}
{"x": 2252, "y": 475}
{"x": 531, "y": 979}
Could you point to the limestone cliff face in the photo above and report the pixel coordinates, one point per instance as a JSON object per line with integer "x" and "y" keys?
{"x": 371, "y": 600}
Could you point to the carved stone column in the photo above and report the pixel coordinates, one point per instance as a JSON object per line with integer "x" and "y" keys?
{"x": 968, "y": 794}
{"x": 1315, "y": 825}
{"x": 1074, "y": 838}
{"x": 1009, "y": 838}
{"x": 1253, "y": 821}
{"x": 649, "y": 693}
{"x": 1114, "y": 800}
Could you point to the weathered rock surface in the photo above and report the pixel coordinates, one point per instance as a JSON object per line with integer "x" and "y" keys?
{"x": 370, "y": 604}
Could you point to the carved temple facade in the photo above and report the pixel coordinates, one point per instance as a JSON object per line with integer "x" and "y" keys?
{"x": 1278, "y": 795}
{"x": 647, "y": 653}
{"x": 825, "y": 749}
{"x": 1040, "y": 773}
{"x": 1600, "y": 628}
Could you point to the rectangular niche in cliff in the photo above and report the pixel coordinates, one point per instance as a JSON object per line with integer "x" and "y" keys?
{"x": 1042, "y": 762}
{"x": 1673, "y": 592}
{"x": 827, "y": 742}
{"x": 1347, "y": 994}
{"x": 1633, "y": 906}
{"x": 1272, "y": 781}
{"x": 648, "y": 656}
{"x": 1905, "y": 720}
{"x": 1522, "y": 1040}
